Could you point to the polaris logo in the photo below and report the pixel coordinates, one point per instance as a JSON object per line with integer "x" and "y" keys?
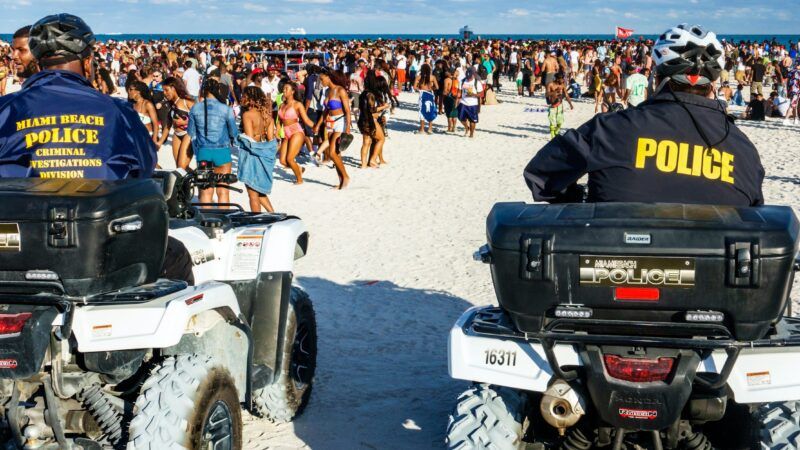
{"x": 637, "y": 239}
{"x": 638, "y": 414}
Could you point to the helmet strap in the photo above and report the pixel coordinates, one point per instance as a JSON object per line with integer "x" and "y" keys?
{"x": 662, "y": 84}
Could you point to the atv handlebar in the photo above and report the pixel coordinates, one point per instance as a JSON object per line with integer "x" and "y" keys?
{"x": 203, "y": 177}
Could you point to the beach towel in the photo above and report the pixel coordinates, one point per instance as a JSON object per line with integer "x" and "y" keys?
{"x": 256, "y": 163}
{"x": 427, "y": 106}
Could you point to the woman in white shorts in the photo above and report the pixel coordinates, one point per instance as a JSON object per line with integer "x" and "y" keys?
{"x": 336, "y": 118}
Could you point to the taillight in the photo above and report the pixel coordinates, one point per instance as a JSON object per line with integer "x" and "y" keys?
{"x": 638, "y": 370}
{"x": 633, "y": 294}
{"x": 13, "y": 323}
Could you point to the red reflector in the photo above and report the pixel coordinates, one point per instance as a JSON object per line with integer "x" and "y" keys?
{"x": 637, "y": 294}
{"x": 638, "y": 370}
{"x": 13, "y": 323}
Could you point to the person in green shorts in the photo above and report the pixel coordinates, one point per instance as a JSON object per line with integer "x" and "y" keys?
{"x": 555, "y": 94}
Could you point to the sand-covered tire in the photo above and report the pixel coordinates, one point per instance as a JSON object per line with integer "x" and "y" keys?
{"x": 188, "y": 402}
{"x": 487, "y": 417}
{"x": 285, "y": 398}
{"x": 778, "y": 426}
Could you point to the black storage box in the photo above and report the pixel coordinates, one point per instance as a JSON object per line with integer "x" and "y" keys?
{"x": 96, "y": 236}
{"x": 643, "y": 262}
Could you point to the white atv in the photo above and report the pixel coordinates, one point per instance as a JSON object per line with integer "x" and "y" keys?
{"x": 632, "y": 326}
{"x": 98, "y": 351}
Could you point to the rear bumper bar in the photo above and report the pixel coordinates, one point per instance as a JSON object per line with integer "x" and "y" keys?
{"x": 756, "y": 371}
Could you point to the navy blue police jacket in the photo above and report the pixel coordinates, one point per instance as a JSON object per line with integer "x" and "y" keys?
{"x": 58, "y": 126}
{"x": 655, "y": 152}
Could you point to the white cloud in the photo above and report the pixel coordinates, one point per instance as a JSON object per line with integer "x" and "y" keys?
{"x": 255, "y": 7}
{"x": 517, "y": 12}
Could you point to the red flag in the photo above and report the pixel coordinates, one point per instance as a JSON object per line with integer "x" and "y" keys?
{"x": 624, "y": 33}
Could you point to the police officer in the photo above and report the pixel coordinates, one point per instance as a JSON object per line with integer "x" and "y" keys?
{"x": 679, "y": 146}
{"x": 58, "y": 126}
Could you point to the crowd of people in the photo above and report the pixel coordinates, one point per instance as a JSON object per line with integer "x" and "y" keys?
{"x": 289, "y": 100}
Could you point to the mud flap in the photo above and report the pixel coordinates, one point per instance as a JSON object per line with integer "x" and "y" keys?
{"x": 265, "y": 303}
{"x": 640, "y": 406}
{"x": 268, "y": 318}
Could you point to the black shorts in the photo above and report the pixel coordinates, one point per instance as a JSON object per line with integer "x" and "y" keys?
{"x": 313, "y": 115}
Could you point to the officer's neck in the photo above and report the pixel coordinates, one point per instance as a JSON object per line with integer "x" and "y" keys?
{"x": 71, "y": 66}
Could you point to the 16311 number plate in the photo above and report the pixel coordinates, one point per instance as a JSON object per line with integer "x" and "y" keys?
{"x": 496, "y": 357}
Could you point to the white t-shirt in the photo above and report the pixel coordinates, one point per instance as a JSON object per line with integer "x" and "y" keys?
{"x": 637, "y": 85}
{"x": 270, "y": 87}
{"x": 401, "y": 62}
{"x": 782, "y": 104}
{"x": 512, "y": 59}
{"x": 191, "y": 78}
{"x": 573, "y": 58}
{"x": 470, "y": 87}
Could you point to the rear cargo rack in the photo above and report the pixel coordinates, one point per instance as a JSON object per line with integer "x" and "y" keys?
{"x": 494, "y": 322}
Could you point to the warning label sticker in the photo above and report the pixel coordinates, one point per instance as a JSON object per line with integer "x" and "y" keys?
{"x": 247, "y": 252}
{"x": 758, "y": 379}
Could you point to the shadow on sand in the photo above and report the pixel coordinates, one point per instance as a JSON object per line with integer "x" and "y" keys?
{"x": 382, "y": 380}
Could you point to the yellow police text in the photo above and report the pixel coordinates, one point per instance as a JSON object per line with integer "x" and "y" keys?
{"x": 65, "y": 119}
{"x": 62, "y": 163}
{"x": 62, "y": 174}
{"x": 60, "y": 152}
{"x": 685, "y": 159}
{"x": 61, "y": 136}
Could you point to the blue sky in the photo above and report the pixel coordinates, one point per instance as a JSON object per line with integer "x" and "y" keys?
{"x": 411, "y": 16}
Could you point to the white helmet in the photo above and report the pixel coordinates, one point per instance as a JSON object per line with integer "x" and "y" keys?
{"x": 689, "y": 55}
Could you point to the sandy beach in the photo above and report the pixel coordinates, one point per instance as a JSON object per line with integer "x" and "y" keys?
{"x": 390, "y": 267}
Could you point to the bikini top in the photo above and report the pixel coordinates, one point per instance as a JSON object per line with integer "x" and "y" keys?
{"x": 333, "y": 104}
{"x": 144, "y": 118}
{"x": 176, "y": 112}
{"x": 287, "y": 113}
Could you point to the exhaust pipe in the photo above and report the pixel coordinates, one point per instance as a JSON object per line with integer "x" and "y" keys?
{"x": 562, "y": 406}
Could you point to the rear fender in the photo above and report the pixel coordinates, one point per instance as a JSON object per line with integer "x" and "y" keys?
{"x": 159, "y": 323}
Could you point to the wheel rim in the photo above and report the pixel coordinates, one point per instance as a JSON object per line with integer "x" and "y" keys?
{"x": 302, "y": 356}
{"x": 218, "y": 428}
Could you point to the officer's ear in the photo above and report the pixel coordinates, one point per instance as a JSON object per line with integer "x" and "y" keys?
{"x": 88, "y": 68}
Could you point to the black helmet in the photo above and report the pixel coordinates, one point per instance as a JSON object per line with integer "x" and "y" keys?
{"x": 61, "y": 38}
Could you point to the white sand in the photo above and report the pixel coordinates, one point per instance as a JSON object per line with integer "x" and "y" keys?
{"x": 412, "y": 226}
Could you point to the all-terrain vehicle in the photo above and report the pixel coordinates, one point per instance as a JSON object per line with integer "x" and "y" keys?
{"x": 632, "y": 326}
{"x": 98, "y": 351}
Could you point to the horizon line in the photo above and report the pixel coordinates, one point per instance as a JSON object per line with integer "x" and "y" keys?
{"x": 409, "y": 34}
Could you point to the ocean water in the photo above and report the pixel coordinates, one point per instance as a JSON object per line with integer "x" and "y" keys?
{"x": 782, "y": 38}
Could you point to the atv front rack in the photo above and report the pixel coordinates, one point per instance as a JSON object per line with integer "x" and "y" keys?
{"x": 493, "y": 322}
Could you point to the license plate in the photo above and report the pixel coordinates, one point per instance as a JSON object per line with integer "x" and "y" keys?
{"x": 637, "y": 271}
